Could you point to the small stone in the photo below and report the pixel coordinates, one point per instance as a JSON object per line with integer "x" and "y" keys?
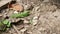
{"x": 35, "y": 20}
{"x": 15, "y": 12}
{"x": 29, "y": 32}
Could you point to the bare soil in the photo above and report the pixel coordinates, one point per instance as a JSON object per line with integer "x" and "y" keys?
{"x": 45, "y": 16}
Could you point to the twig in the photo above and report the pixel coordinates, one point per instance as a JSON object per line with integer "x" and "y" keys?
{"x": 15, "y": 29}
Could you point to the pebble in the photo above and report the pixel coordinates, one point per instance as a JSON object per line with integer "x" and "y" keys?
{"x": 34, "y": 21}
{"x": 35, "y": 17}
{"x": 15, "y": 12}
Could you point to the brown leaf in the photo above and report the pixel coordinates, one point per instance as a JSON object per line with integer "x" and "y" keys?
{"x": 16, "y": 7}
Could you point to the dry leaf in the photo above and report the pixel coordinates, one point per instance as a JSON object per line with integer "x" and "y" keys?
{"x": 16, "y": 7}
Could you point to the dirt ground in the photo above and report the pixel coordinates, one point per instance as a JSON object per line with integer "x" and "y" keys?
{"x": 44, "y": 18}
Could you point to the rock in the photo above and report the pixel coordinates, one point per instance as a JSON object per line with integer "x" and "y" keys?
{"x": 35, "y": 17}
{"x": 35, "y": 20}
{"x": 29, "y": 32}
{"x": 15, "y": 12}
{"x": 4, "y": 2}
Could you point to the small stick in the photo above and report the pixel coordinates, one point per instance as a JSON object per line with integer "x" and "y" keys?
{"x": 15, "y": 29}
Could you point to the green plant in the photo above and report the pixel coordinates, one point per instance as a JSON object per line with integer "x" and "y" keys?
{"x": 20, "y": 15}
{"x": 4, "y": 24}
{"x": 7, "y": 23}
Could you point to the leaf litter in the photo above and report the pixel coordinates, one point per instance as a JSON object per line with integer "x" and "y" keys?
{"x": 47, "y": 23}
